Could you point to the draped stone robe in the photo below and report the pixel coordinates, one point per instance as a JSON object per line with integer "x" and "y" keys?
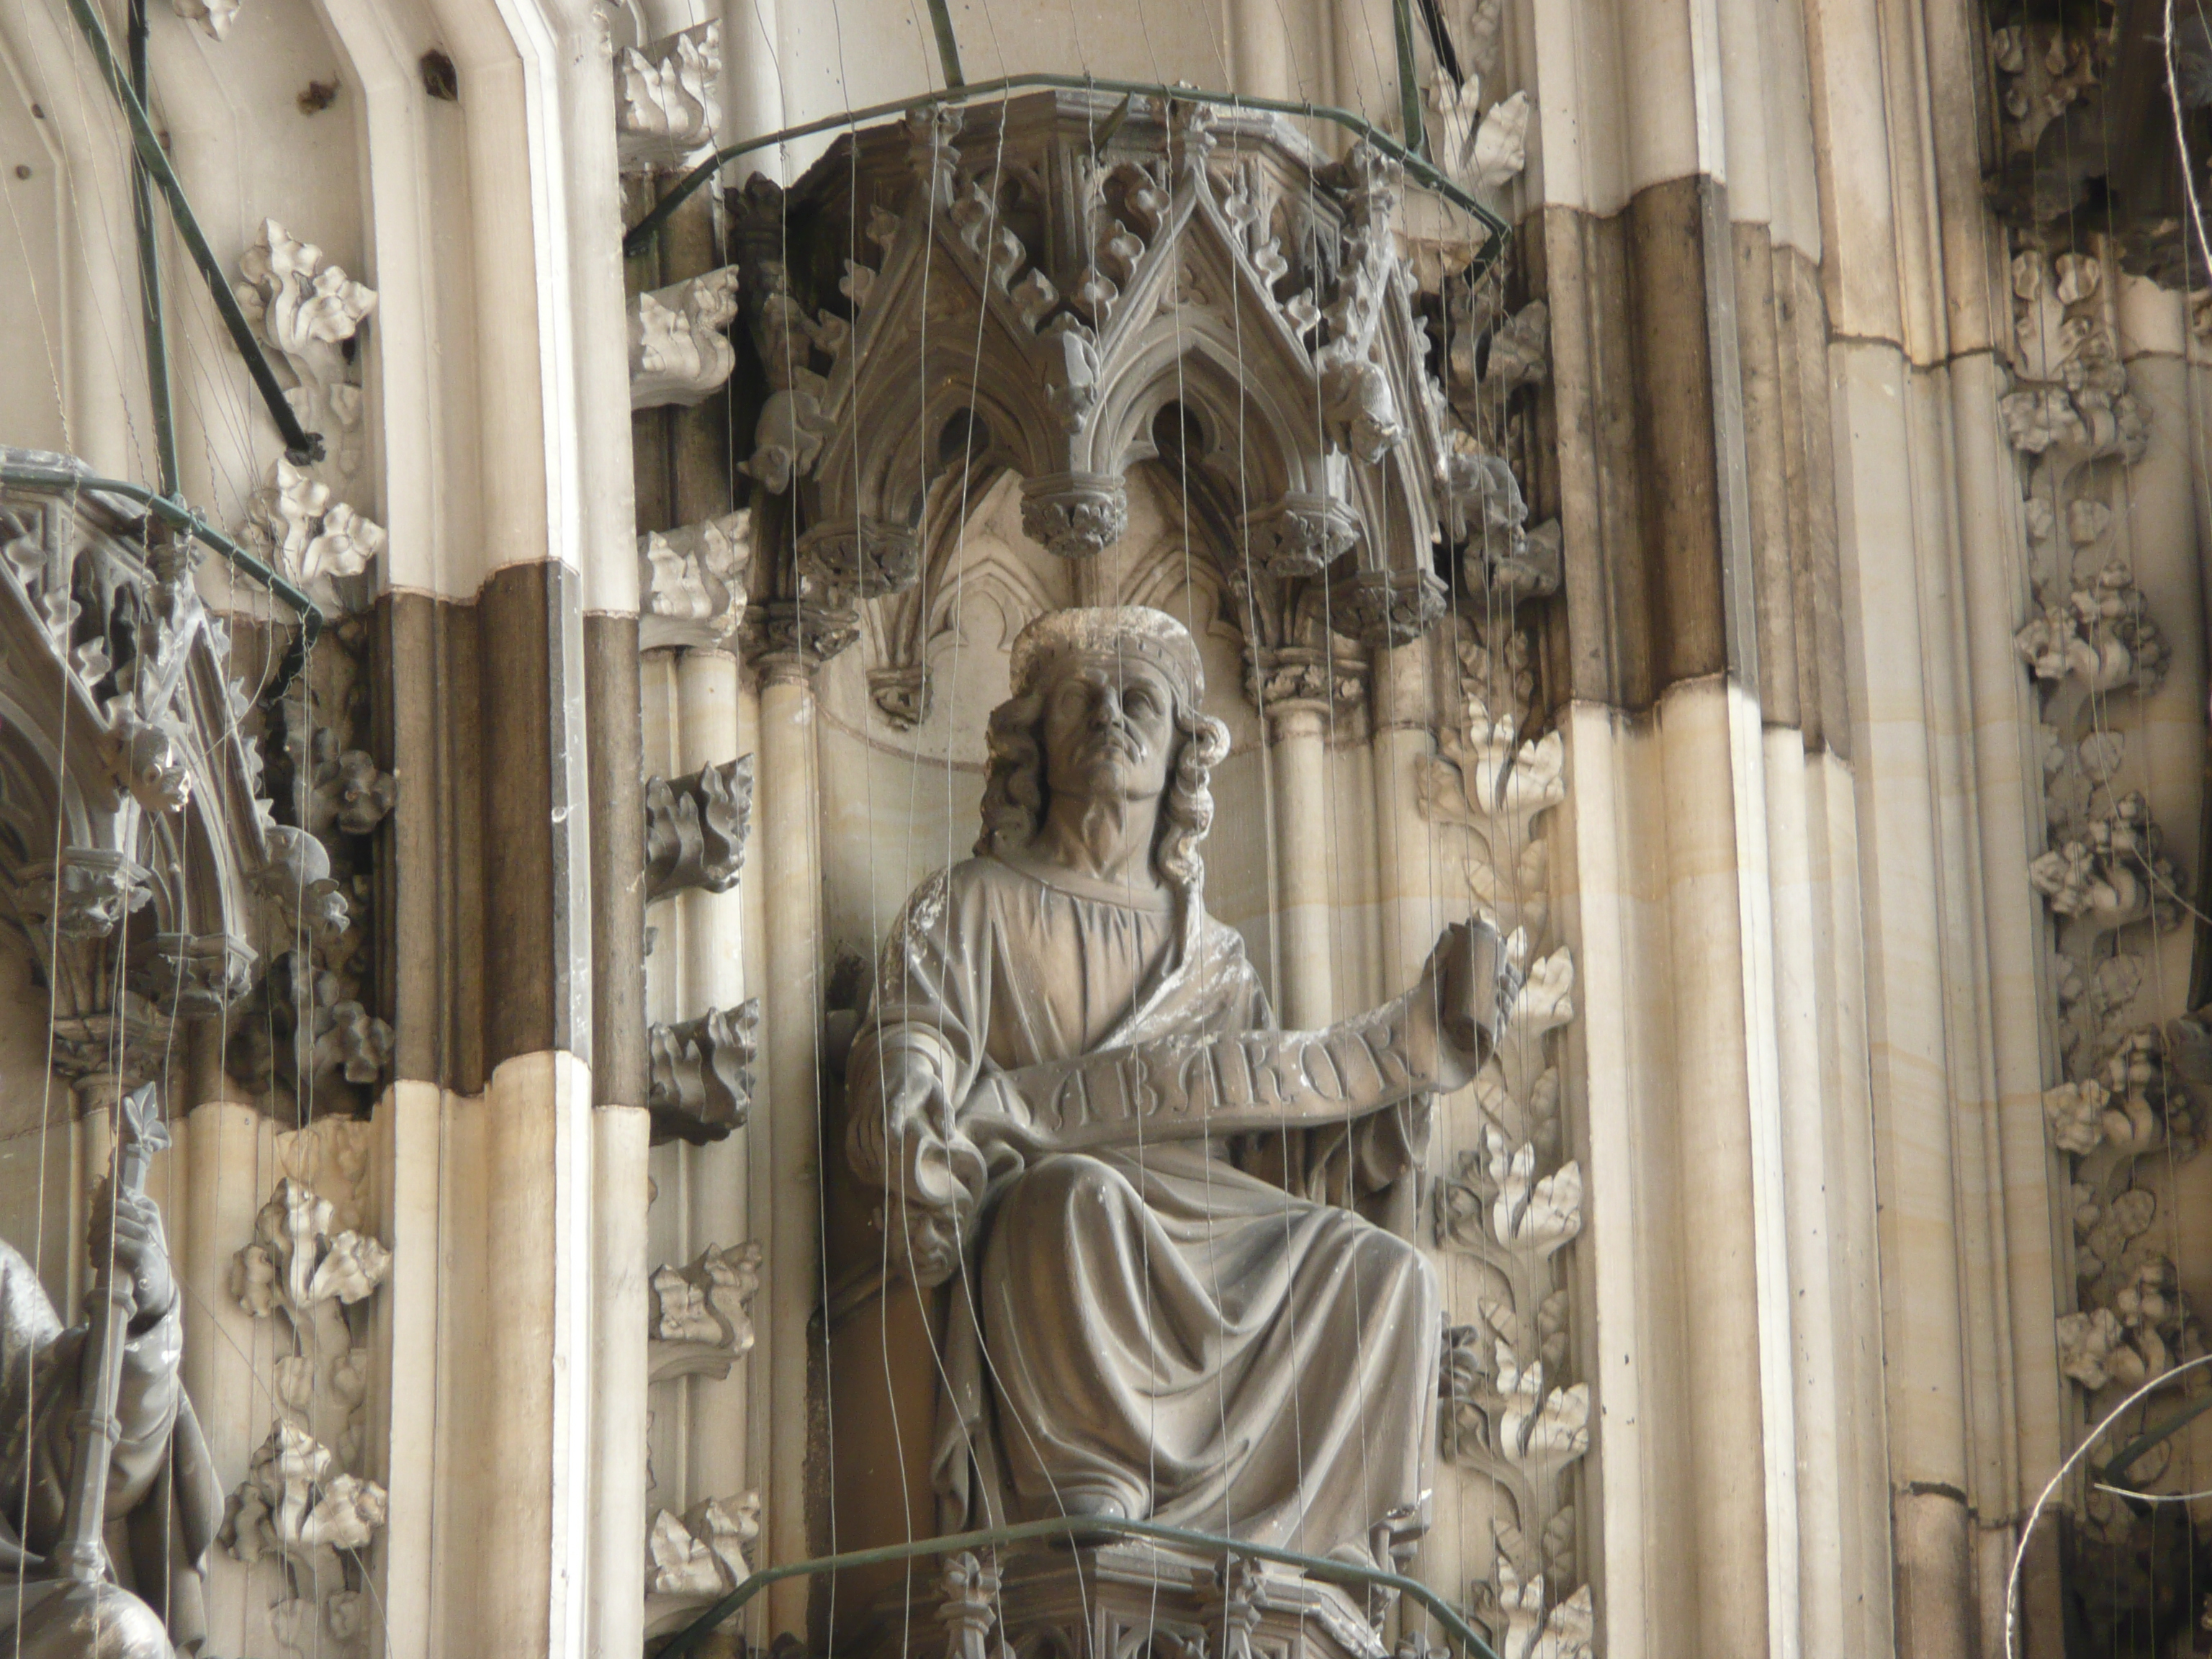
{"x": 1149, "y": 1326}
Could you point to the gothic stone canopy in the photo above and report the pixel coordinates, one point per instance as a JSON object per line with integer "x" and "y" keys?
{"x": 1069, "y": 284}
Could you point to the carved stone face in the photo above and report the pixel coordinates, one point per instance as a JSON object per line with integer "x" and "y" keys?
{"x": 1109, "y": 731}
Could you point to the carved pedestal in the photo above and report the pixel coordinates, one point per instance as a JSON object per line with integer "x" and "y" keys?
{"x": 1118, "y": 1602}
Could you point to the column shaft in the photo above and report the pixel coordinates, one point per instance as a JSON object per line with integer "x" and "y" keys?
{"x": 791, "y": 875}
{"x": 1306, "y": 991}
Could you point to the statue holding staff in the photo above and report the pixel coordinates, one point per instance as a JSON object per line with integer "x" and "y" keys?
{"x": 1071, "y": 1090}
{"x": 108, "y": 1498}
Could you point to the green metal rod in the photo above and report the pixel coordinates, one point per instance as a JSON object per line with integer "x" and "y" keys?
{"x": 641, "y": 235}
{"x": 301, "y": 446}
{"x": 1409, "y": 91}
{"x": 2116, "y": 1471}
{"x": 178, "y": 517}
{"x": 1314, "y": 1566}
{"x": 149, "y": 278}
{"x": 948, "y": 45}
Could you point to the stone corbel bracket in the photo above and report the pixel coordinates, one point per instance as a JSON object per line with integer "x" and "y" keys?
{"x": 701, "y": 1085}
{"x": 667, "y": 100}
{"x": 679, "y": 350}
{"x": 214, "y": 16}
{"x": 705, "y": 1553}
{"x": 695, "y": 829}
{"x": 702, "y": 1316}
{"x": 302, "y": 520}
{"x": 692, "y": 583}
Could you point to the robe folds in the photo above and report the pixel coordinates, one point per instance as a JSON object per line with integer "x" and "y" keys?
{"x": 1152, "y": 1330}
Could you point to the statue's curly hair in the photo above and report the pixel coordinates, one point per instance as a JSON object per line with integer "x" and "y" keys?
{"x": 1014, "y": 793}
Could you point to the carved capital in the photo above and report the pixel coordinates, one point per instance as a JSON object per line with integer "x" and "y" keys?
{"x": 1304, "y": 534}
{"x": 864, "y": 556}
{"x": 1299, "y": 680}
{"x": 1396, "y": 607}
{"x": 105, "y": 1056}
{"x": 193, "y": 975}
{"x": 679, "y": 349}
{"x": 696, "y": 827}
{"x": 705, "y": 1552}
{"x": 86, "y": 896}
{"x": 702, "y": 1078}
{"x": 691, "y": 582}
{"x": 792, "y": 638}
{"x": 1077, "y": 515}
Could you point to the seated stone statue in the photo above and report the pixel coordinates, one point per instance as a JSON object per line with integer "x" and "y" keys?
{"x": 163, "y": 1502}
{"x": 1065, "y": 1085}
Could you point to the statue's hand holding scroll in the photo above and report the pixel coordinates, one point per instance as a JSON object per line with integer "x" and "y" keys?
{"x": 933, "y": 1176}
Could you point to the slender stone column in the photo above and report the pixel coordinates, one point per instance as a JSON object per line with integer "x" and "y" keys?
{"x": 719, "y": 1175}
{"x": 1399, "y": 699}
{"x": 230, "y": 1165}
{"x": 621, "y": 1138}
{"x": 1307, "y": 987}
{"x": 793, "y": 642}
{"x": 1260, "y": 36}
{"x": 620, "y": 1131}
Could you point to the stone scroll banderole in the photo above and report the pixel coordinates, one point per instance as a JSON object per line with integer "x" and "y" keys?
{"x": 930, "y": 1158}
{"x": 1432, "y": 1037}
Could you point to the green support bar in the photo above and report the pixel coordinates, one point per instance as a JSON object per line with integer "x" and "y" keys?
{"x": 149, "y": 278}
{"x": 1409, "y": 91}
{"x": 641, "y": 235}
{"x": 301, "y": 446}
{"x": 948, "y": 46}
{"x": 1070, "y": 1528}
